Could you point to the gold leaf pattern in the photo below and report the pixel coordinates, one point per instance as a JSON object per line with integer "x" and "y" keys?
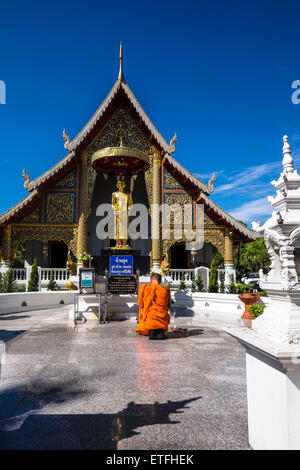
{"x": 32, "y": 218}
{"x": 68, "y": 181}
{"x": 60, "y": 208}
{"x": 120, "y": 123}
{"x": 170, "y": 182}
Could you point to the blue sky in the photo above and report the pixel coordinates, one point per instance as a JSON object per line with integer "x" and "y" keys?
{"x": 218, "y": 73}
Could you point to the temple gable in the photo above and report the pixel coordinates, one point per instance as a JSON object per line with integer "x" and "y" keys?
{"x": 120, "y": 126}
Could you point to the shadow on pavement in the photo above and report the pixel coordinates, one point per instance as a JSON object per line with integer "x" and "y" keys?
{"x": 184, "y": 333}
{"x": 8, "y": 335}
{"x": 9, "y": 316}
{"x": 21, "y": 427}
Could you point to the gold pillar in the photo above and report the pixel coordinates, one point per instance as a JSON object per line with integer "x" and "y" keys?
{"x": 83, "y": 205}
{"x": 6, "y": 245}
{"x": 228, "y": 258}
{"x": 155, "y": 212}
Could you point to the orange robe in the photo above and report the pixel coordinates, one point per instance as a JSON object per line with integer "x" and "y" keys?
{"x": 154, "y": 301}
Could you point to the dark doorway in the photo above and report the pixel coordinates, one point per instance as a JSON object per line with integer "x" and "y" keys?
{"x": 58, "y": 255}
{"x": 179, "y": 258}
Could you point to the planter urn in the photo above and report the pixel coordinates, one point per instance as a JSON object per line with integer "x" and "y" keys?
{"x": 248, "y": 299}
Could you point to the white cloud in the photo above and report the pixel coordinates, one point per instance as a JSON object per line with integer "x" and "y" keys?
{"x": 207, "y": 176}
{"x": 238, "y": 181}
{"x": 252, "y": 210}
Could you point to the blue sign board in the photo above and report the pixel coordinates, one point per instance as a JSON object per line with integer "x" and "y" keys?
{"x": 120, "y": 265}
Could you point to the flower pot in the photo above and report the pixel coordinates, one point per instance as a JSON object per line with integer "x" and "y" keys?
{"x": 248, "y": 299}
{"x": 85, "y": 264}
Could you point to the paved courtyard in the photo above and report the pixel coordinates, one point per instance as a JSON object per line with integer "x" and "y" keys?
{"x": 104, "y": 387}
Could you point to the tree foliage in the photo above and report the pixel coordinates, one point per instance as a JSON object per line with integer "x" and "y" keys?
{"x": 251, "y": 257}
{"x": 18, "y": 261}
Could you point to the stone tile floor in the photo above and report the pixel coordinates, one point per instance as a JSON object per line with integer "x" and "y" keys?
{"x": 105, "y": 387}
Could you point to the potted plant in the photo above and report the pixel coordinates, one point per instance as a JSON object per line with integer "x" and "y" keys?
{"x": 255, "y": 310}
{"x": 248, "y": 299}
{"x": 86, "y": 259}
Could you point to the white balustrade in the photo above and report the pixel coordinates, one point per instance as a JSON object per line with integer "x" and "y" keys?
{"x": 179, "y": 275}
{"x": 59, "y": 274}
{"x": 19, "y": 274}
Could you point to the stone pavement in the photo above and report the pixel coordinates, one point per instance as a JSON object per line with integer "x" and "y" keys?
{"x": 104, "y": 387}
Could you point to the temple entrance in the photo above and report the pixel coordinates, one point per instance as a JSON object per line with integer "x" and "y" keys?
{"x": 58, "y": 252}
{"x": 179, "y": 256}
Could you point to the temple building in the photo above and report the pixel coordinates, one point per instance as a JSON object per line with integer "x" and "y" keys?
{"x": 57, "y": 220}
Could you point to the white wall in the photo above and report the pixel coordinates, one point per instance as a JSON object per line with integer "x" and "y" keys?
{"x": 12, "y": 303}
{"x": 223, "y": 309}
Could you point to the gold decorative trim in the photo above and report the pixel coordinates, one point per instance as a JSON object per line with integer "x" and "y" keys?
{"x": 23, "y": 233}
{"x": 214, "y": 236}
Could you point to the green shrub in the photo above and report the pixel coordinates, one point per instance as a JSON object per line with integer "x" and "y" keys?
{"x": 7, "y": 282}
{"x": 231, "y": 286}
{"x": 197, "y": 284}
{"x": 256, "y": 310}
{"x": 222, "y": 282}
{"x": 262, "y": 293}
{"x": 241, "y": 288}
{"x": 213, "y": 274}
{"x": 182, "y": 286}
{"x": 33, "y": 285}
{"x": 52, "y": 284}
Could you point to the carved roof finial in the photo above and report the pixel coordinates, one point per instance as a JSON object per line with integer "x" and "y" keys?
{"x": 26, "y": 177}
{"x": 287, "y": 161}
{"x": 211, "y": 183}
{"x": 66, "y": 139}
{"x": 172, "y": 143}
{"x": 121, "y": 76}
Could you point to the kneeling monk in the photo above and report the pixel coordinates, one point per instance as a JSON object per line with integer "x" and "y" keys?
{"x": 154, "y": 301}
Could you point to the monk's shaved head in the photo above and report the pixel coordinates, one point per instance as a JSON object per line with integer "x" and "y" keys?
{"x": 156, "y": 277}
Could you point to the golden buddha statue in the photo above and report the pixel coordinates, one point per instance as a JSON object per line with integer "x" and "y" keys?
{"x": 122, "y": 203}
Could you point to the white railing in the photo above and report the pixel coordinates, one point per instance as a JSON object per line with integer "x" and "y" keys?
{"x": 179, "y": 275}
{"x": 19, "y": 274}
{"x": 59, "y": 274}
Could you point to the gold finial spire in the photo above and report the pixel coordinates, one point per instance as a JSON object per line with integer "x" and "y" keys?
{"x": 121, "y": 76}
